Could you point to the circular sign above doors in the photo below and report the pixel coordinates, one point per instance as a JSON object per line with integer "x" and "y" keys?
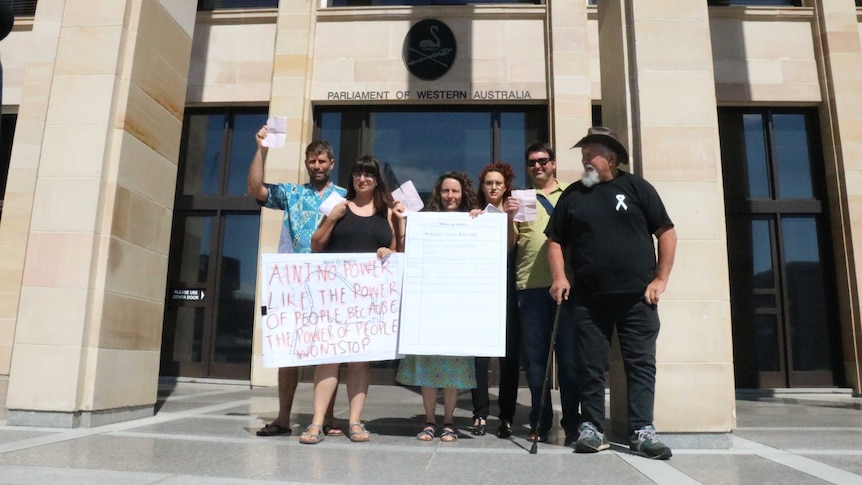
{"x": 429, "y": 49}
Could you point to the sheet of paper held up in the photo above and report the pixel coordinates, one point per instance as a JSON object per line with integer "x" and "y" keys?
{"x": 333, "y": 200}
{"x": 409, "y": 197}
{"x": 527, "y": 208}
{"x": 276, "y": 132}
{"x": 453, "y": 301}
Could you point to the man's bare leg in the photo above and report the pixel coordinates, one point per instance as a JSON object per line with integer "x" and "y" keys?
{"x": 288, "y": 377}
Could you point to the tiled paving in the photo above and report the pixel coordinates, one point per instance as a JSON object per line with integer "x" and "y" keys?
{"x": 204, "y": 433}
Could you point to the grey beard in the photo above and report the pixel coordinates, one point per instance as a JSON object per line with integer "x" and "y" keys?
{"x": 590, "y": 178}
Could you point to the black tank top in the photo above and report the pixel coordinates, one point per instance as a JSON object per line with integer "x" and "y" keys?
{"x": 357, "y": 234}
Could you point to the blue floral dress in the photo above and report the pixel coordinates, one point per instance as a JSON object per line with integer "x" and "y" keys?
{"x": 437, "y": 371}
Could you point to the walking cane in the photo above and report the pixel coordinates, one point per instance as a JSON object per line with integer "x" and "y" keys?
{"x": 534, "y": 449}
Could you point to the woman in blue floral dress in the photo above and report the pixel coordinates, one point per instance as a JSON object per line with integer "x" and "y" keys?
{"x": 452, "y": 192}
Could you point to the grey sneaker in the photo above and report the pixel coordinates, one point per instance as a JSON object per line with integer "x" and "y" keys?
{"x": 590, "y": 439}
{"x": 645, "y": 441}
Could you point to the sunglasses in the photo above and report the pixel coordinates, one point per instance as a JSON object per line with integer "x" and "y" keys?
{"x": 540, "y": 161}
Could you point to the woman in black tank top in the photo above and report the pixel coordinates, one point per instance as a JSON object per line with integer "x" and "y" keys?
{"x": 363, "y": 223}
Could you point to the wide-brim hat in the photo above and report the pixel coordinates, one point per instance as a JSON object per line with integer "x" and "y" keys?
{"x": 607, "y": 137}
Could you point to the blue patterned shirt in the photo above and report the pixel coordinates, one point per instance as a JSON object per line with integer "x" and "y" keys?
{"x": 300, "y": 204}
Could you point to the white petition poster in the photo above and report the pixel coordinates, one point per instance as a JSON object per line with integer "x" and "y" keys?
{"x": 329, "y": 307}
{"x": 454, "y": 292}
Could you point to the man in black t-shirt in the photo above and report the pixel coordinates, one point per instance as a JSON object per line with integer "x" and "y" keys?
{"x": 602, "y": 230}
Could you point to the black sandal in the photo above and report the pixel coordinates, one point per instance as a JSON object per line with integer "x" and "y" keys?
{"x": 479, "y": 428}
{"x": 427, "y": 433}
{"x": 449, "y": 434}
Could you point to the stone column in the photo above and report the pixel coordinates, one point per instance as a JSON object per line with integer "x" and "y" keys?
{"x": 291, "y": 89}
{"x": 658, "y": 93}
{"x": 569, "y": 100}
{"x": 88, "y": 329}
{"x": 840, "y": 57}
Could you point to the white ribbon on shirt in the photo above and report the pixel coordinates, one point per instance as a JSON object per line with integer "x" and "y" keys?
{"x": 620, "y": 203}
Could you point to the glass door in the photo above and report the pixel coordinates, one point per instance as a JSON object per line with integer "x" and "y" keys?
{"x": 783, "y": 307}
{"x": 212, "y": 269}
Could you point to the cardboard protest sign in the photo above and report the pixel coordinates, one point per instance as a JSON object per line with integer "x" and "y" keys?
{"x": 328, "y": 308}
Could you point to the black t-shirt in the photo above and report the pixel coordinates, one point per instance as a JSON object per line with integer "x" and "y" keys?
{"x": 607, "y": 234}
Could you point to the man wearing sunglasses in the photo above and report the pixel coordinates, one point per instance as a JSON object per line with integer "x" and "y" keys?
{"x": 536, "y": 307}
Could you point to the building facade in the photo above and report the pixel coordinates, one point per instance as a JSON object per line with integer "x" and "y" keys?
{"x": 130, "y": 250}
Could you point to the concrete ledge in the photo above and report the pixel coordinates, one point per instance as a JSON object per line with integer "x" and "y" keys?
{"x": 79, "y": 419}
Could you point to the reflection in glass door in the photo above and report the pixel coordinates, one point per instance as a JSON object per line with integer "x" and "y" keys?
{"x": 420, "y": 143}
{"x": 782, "y": 278}
{"x": 212, "y": 269}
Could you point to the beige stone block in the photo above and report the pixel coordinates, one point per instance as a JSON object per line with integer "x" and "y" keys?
{"x": 670, "y": 10}
{"x": 785, "y": 93}
{"x": 29, "y": 131}
{"x": 65, "y": 204}
{"x": 232, "y": 93}
{"x": 375, "y": 71}
{"x": 17, "y": 208}
{"x": 846, "y": 85}
{"x": 778, "y": 40}
{"x": 88, "y": 50}
{"x": 525, "y": 39}
{"x": 799, "y": 72}
{"x": 262, "y": 376}
{"x": 696, "y": 208}
{"x": 843, "y": 42}
{"x": 130, "y": 323}
{"x": 290, "y": 65}
{"x": 144, "y": 171}
{"x": 30, "y": 390}
{"x": 161, "y": 31}
{"x": 5, "y": 358}
{"x": 683, "y": 47}
{"x": 696, "y": 277}
{"x": 695, "y": 331}
{"x": 58, "y": 260}
{"x": 296, "y": 42}
{"x": 673, "y": 98}
{"x": 51, "y": 316}
{"x": 709, "y": 405}
{"x": 120, "y": 378}
{"x": 81, "y": 99}
{"x": 488, "y": 70}
{"x": 160, "y": 81}
{"x": 334, "y": 70}
{"x": 141, "y": 221}
{"x": 8, "y": 309}
{"x": 73, "y": 151}
{"x": 221, "y": 73}
{"x": 672, "y": 152}
{"x": 11, "y": 267}
{"x": 152, "y": 124}
{"x": 254, "y": 73}
{"x": 135, "y": 271}
{"x": 532, "y": 71}
{"x": 87, "y": 12}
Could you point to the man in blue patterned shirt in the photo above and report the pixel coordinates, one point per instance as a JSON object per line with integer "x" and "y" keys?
{"x": 300, "y": 204}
